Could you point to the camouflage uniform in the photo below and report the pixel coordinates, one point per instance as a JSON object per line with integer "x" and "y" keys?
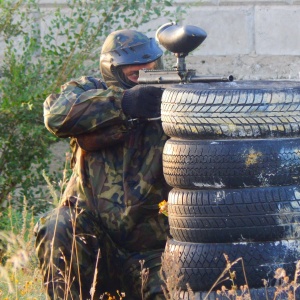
{"x": 111, "y": 201}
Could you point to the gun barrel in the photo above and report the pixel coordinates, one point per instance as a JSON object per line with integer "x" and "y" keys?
{"x": 175, "y": 77}
{"x": 212, "y": 78}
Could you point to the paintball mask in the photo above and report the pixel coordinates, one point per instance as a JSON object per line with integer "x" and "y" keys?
{"x": 127, "y": 47}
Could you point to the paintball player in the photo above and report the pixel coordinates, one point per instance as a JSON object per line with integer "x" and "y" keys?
{"x": 108, "y": 221}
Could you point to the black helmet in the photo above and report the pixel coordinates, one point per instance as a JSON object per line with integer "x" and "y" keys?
{"x": 126, "y": 47}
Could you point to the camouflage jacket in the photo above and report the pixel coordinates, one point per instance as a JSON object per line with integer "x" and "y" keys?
{"x": 122, "y": 179}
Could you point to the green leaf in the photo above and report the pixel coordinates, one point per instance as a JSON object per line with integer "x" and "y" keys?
{"x": 36, "y": 65}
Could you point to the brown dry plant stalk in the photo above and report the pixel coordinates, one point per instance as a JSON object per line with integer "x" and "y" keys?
{"x": 144, "y": 277}
{"x": 19, "y": 278}
{"x": 66, "y": 274}
{"x": 170, "y": 270}
{"x": 93, "y": 288}
{"x": 231, "y": 275}
{"x": 66, "y": 277}
{"x": 284, "y": 287}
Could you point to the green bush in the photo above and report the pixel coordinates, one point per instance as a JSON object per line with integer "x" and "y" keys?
{"x": 35, "y": 65}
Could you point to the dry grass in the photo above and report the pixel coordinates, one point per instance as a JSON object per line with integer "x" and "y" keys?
{"x": 169, "y": 273}
{"x": 20, "y": 278}
{"x": 285, "y": 288}
{"x": 234, "y": 292}
{"x": 19, "y": 275}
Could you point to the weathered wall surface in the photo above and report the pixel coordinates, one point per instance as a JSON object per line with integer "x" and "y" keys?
{"x": 257, "y": 39}
{"x": 250, "y": 39}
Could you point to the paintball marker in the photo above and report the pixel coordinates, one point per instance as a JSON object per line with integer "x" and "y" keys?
{"x": 179, "y": 40}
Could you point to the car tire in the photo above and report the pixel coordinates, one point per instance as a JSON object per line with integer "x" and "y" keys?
{"x": 200, "y": 264}
{"x": 238, "y": 109}
{"x": 239, "y": 163}
{"x": 234, "y": 215}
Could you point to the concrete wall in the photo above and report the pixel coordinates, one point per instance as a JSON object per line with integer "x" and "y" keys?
{"x": 257, "y": 39}
{"x": 249, "y": 39}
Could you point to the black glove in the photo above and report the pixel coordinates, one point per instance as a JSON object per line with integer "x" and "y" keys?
{"x": 142, "y": 101}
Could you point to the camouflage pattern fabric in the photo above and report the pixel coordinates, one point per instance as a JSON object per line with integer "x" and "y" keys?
{"x": 113, "y": 195}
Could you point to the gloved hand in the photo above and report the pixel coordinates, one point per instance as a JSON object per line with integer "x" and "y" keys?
{"x": 142, "y": 101}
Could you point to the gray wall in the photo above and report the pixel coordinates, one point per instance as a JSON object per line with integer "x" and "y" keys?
{"x": 257, "y": 39}
{"x": 250, "y": 39}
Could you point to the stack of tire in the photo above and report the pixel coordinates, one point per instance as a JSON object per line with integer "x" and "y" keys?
{"x": 233, "y": 160}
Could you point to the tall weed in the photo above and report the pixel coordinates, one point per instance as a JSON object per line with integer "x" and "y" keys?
{"x": 19, "y": 274}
